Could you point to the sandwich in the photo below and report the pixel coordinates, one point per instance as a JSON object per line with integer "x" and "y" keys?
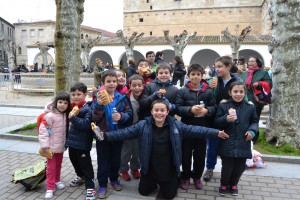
{"x": 108, "y": 98}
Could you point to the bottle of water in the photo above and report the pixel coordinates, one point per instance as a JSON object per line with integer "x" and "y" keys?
{"x": 114, "y": 110}
{"x": 201, "y": 103}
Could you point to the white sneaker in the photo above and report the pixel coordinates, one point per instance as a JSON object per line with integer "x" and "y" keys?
{"x": 60, "y": 185}
{"x": 49, "y": 194}
{"x": 77, "y": 181}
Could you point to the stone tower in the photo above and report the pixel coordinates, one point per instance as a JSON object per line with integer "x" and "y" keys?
{"x": 207, "y": 17}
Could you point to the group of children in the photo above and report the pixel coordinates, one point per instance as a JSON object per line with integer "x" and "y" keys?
{"x": 144, "y": 132}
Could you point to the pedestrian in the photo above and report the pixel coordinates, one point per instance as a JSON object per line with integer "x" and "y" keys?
{"x": 53, "y": 137}
{"x": 80, "y": 140}
{"x": 130, "y": 148}
{"x": 239, "y": 120}
{"x": 109, "y": 153}
{"x": 220, "y": 85}
{"x": 196, "y": 105}
{"x": 160, "y": 138}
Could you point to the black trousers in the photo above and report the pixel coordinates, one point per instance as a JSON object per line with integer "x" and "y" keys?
{"x": 176, "y": 78}
{"x": 232, "y": 170}
{"x": 193, "y": 148}
{"x": 168, "y": 189}
{"x": 82, "y": 163}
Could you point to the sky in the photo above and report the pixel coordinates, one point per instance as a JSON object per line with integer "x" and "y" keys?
{"x": 103, "y": 14}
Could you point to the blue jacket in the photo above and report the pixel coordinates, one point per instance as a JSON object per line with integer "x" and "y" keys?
{"x": 236, "y": 145}
{"x": 80, "y": 134}
{"x": 143, "y": 131}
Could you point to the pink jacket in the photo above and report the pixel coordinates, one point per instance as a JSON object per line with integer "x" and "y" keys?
{"x": 57, "y": 123}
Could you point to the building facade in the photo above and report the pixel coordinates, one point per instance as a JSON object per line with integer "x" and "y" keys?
{"x": 207, "y": 17}
{"x": 7, "y": 31}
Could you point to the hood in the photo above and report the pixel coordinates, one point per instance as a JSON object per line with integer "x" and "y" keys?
{"x": 49, "y": 108}
{"x": 160, "y": 83}
{"x": 203, "y": 85}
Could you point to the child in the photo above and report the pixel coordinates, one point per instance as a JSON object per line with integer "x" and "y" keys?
{"x": 130, "y": 152}
{"x": 239, "y": 120}
{"x": 54, "y": 140}
{"x": 80, "y": 139}
{"x": 144, "y": 70}
{"x": 220, "y": 86}
{"x": 160, "y": 88}
{"x": 121, "y": 87}
{"x": 160, "y": 147}
{"x": 109, "y": 153}
{"x": 187, "y": 104}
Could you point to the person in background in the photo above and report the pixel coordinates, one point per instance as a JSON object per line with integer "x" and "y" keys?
{"x": 150, "y": 57}
{"x": 179, "y": 71}
{"x": 242, "y": 66}
{"x": 131, "y": 69}
{"x": 159, "y": 57}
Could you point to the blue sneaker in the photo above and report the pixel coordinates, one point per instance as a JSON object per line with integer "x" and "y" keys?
{"x": 102, "y": 192}
{"x": 116, "y": 185}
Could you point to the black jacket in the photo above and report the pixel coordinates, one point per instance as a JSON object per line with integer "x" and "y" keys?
{"x": 236, "y": 145}
{"x": 80, "y": 134}
{"x": 186, "y": 98}
{"x": 149, "y": 95}
{"x": 143, "y": 130}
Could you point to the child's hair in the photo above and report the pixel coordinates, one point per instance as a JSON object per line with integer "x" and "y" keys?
{"x": 131, "y": 62}
{"x": 242, "y": 59}
{"x": 108, "y": 73}
{"x": 258, "y": 61}
{"x": 158, "y": 54}
{"x": 235, "y": 83}
{"x": 65, "y": 97}
{"x": 160, "y": 101}
{"x": 195, "y": 67}
{"x": 119, "y": 70}
{"x": 141, "y": 60}
{"x": 150, "y": 52}
{"x": 163, "y": 65}
{"x": 135, "y": 77}
{"x": 79, "y": 86}
{"x": 226, "y": 60}
{"x": 178, "y": 60}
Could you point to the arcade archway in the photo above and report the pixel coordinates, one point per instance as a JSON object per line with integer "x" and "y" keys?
{"x": 123, "y": 61}
{"x": 103, "y": 55}
{"x": 204, "y": 57}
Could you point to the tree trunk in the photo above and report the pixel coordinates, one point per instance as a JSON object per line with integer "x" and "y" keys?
{"x": 284, "y": 124}
{"x": 69, "y": 16}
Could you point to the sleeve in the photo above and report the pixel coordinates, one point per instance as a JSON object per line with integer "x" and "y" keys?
{"x": 44, "y": 137}
{"x": 126, "y": 114}
{"x": 147, "y": 98}
{"x": 212, "y": 106}
{"x": 182, "y": 110}
{"x": 82, "y": 123}
{"x": 191, "y": 131}
{"x": 253, "y": 124}
{"x": 220, "y": 119}
{"x": 97, "y": 113}
{"x": 126, "y": 133}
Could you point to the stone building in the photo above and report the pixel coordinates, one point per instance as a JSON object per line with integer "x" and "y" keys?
{"x": 7, "y": 31}
{"x": 207, "y": 17}
{"x": 29, "y": 33}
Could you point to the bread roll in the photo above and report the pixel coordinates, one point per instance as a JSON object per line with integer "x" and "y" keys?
{"x": 108, "y": 98}
{"x": 48, "y": 154}
{"x": 162, "y": 91}
{"x": 75, "y": 110}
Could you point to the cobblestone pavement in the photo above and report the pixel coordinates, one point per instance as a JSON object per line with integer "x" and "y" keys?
{"x": 250, "y": 187}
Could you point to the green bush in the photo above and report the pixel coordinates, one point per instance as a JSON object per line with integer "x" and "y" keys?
{"x": 29, "y": 126}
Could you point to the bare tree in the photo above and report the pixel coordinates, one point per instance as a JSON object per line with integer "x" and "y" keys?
{"x": 179, "y": 42}
{"x": 235, "y": 41}
{"x": 283, "y": 126}
{"x": 43, "y": 47}
{"x": 129, "y": 43}
{"x": 86, "y": 46}
{"x": 69, "y": 16}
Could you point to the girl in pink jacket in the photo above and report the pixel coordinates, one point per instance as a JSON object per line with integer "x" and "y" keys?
{"x": 52, "y": 136}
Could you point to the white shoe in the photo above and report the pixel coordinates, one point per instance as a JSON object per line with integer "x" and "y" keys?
{"x": 60, "y": 185}
{"x": 49, "y": 194}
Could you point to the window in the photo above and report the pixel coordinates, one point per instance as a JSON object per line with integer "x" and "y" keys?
{"x": 0, "y": 55}
{"x": 24, "y": 33}
{"x": 32, "y": 32}
{"x": 141, "y": 19}
{"x": 2, "y": 28}
{"x": 150, "y": 32}
{"x": 41, "y": 32}
{"x": 4, "y": 55}
{"x": 19, "y": 50}
{"x": 147, "y": 1}
{"x": 150, "y": 7}
{"x": 8, "y": 31}
{"x": 81, "y": 36}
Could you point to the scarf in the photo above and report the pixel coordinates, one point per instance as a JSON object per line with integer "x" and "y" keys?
{"x": 249, "y": 77}
{"x": 79, "y": 105}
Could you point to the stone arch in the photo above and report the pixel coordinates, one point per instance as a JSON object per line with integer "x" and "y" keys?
{"x": 168, "y": 55}
{"x": 39, "y": 59}
{"x": 103, "y": 55}
{"x": 204, "y": 57}
{"x": 249, "y": 52}
{"x": 123, "y": 61}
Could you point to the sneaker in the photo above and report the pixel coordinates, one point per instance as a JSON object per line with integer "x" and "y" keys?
{"x": 59, "y": 185}
{"x": 208, "y": 175}
{"x": 234, "y": 191}
{"x": 222, "y": 190}
{"x": 198, "y": 184}
{"x": 124, "y": 176}
{"x": 135, "y": 173}
{"x": 185, "y": 183}
{"x": 77, "y": 181}
{"x": 116, "y": 185}
{"x": 49, "y": 194}
{"x": 102, "y": 192}
{"x": 90, "y": 194}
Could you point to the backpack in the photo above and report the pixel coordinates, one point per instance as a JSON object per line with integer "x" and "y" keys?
{"x": 31, "y": 176}
{"x": 41, "y": 120}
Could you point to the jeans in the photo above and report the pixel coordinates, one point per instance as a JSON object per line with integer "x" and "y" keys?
{"x": 212, "y": 152}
